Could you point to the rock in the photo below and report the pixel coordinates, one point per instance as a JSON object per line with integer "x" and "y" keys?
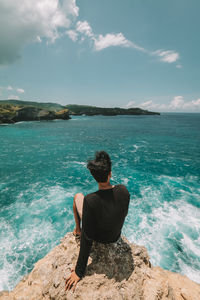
{"x": 37, "y": 114}
{"x": 116, "y": 271}
{"x": 63, "y": 114}
{"x": 33, "y": 114}
{"x": 11, "y": 114}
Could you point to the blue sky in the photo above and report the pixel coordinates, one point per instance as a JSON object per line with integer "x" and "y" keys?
{"x": 131, "y": 53}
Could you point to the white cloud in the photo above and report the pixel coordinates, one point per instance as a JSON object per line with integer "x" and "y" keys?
{"x": 177, "y": 102}
{"x": 111, "y": 39}
{"x": 5, "y": 90}
{"x": 179, "y": 66}
{"x": 73, "y": 35}
{"x": 13, "y": 97}
{"x": 180, "y": 105}
{"x": 84, "y": 28}
{"x": 131, "y": 104}
{"x": 100, "y": 42}
{"x": 162, "y": 107}
{"x": 147, "y": 104}
{"x": 31, "y": 21}
{"x": 21, "y": 91}
{"x": 26, "y": 21}
{"x": 192, "y": 105}
{"x": 70, "y": 7}
{"x": 38, "y": 39}
{"x": 150, "y": 105}
{"x": 168, "y": 56}
{"x": 133, "y": 45}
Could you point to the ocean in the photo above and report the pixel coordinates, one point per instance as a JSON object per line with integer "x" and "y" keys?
{"x": 43, "y": 164}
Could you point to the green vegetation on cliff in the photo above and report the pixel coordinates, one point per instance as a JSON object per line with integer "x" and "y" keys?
{"x": 48, "y": 105}
{"x": 94, "y": 110}
{"x": 12, "y": 111}
{"x": 15, "y": 112}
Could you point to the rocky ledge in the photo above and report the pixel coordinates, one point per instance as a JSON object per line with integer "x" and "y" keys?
{"x": 11, "y": 114}
{"x": 116, "y": 271}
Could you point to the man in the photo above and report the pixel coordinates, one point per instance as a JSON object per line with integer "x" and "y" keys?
{"x": 102, "y": 212}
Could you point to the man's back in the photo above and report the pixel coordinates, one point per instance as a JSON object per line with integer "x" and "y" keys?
{"x": 109, "y": 208}
{"x": 104, "y": 213}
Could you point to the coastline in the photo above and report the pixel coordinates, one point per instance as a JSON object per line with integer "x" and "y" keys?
{"x": 12, "y": 111}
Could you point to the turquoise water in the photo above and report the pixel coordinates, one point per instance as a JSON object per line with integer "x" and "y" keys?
{"x": 43, "y": 164}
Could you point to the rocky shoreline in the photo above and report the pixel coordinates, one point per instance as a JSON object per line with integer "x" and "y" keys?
{"x": 119, "y": 271}
{"x": 12, "y": 111}
{"x": 11, "y": 114}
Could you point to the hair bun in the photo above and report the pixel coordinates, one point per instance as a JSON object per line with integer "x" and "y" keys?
{"x": 102, "y": 155}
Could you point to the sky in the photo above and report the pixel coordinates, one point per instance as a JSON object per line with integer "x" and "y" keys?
{"x": 108, "y": 53}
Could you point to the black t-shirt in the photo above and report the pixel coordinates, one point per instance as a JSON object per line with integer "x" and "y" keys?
{"x": 104, "y": 213}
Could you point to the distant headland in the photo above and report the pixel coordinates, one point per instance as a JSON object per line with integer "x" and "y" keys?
{"x": 12, "y": 111}
{"x": 106, "y": 111}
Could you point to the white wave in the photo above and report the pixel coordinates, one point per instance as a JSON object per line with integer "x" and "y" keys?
{"x": 80, "y": 163}
{"x": 193, "y": 245}
{"x": 80, "y": 118}
{"x": 135, "y": 148}
{"x": 21, "y": 122}
{"x": 190, "y": 272}
{"x": 177, "y": 223}
{"x": 28, "y": 229}
{"x": 125, "y": 181}
{"x": 6, "y": 124}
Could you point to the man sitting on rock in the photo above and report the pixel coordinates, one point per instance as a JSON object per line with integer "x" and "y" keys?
{"x": 102, "y": 213}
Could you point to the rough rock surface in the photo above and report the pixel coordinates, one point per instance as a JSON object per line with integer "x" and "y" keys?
{"x": 11, "y": 114}
{"x": 116, "y": 271}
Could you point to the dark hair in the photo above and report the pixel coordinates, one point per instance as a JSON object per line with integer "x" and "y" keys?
{"x": 100, "y": 167}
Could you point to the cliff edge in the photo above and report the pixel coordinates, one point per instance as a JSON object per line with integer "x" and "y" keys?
{"x": 11, "y": 114}
{"x": 117, "y": 271}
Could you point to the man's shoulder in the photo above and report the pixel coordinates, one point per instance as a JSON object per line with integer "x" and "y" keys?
{"x": 118, "y": 188}
{"x": 122, "y": 188}
{"x": 91, "y": 196}
{"x": 91, "y": 200}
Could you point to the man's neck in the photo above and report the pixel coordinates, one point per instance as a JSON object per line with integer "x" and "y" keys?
{"x": 104, "y": 185}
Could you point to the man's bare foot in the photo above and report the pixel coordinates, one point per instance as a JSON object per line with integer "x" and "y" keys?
{"x": 77, "y": 232}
